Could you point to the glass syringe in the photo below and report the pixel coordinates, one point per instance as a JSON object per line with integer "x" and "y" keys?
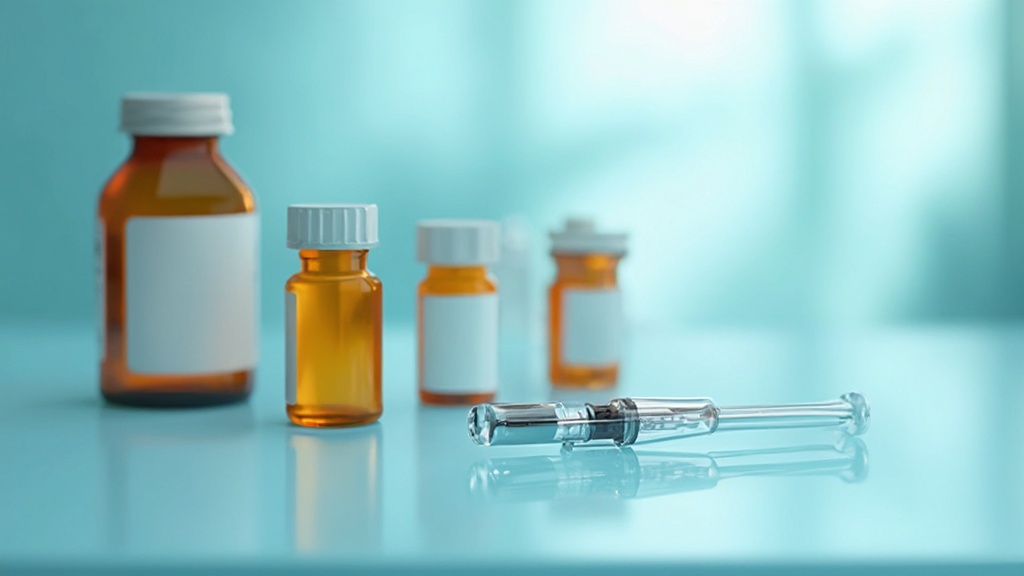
{"x": 627, "y": 421}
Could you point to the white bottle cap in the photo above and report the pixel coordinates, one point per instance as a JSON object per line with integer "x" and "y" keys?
{"x": 176, "y": 114}
{"x": 458, "y": 242}
{"x": 332, "y": 226}
{"x": 580, "y": 236}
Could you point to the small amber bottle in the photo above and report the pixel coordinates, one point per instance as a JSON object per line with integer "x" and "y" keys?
{"x": 333, "y": 318}
{"x": 585, "y": 327}
{"x": 458, "y": 311}
{"x": 177, "y": 260}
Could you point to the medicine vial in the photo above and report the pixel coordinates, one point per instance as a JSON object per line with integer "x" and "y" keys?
{"x": 333, "y": 313}
{"x": 457, "y": 311}
{"x": 177, "y": 260}
{"x": 585, "y": 306}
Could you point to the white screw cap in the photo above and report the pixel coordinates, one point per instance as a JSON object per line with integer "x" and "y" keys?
{"x": 580, "y": 236}
{"x": 332, "y": 226}
{"x": 458, "y": 242}
{"x": 176, "y": 114}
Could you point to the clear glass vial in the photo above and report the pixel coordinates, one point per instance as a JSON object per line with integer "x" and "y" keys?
{"x": 585, "y": 307}
{"x": 333, "y": 314}
{"x": 177, "y": 260}
{"x": 457, "y": 309}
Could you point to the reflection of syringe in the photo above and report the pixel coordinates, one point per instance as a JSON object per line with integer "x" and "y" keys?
{"x": 630, "y": 420}
{"x": 623, "y": 473}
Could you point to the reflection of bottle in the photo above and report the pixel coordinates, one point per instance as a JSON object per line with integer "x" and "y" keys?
{"x": 177, "y": 243}
{"x": 624, "y": 473}
{"x": 585, "y": 307}
{"x": 334, "y": 487}
{"x": 188, "y": 480}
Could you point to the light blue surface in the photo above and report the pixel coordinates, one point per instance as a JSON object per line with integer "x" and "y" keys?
{"x": 84, "y": 484}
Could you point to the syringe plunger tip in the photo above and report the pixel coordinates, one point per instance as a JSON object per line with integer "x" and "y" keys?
{"x": 860, "y": 413}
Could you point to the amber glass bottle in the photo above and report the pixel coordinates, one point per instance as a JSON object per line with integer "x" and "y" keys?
{"x": 585, "y": 323}
{"x": 457, "y": 311}
{"x": 177, "y": 258}
{"x": 333, "y": 317}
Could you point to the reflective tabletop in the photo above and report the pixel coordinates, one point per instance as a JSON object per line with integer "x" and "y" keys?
{"x": 937, "y": 482}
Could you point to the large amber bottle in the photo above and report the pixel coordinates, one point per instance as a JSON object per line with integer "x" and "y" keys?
{"x": 177, "y": 258}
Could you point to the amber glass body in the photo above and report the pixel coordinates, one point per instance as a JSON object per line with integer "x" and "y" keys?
{"x": 581, "y": 272}
{"x": 338, "y": 315}
{"x": 163, "y": 177}
{"x": 450, "y": 281}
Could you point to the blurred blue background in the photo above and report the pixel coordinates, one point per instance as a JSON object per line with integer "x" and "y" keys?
{"x": 777, "y": 163}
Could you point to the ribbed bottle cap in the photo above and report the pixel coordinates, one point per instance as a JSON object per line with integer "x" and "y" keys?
{"x": 458, "y": 242}
{"x": 332, "y": 226}
{"x": 176, "y": 114}
{"x": 580, "y": 236}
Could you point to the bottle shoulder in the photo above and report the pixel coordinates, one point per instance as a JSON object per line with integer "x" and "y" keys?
{"x": 430, "y": 286}
{"x": 174, "y": 187}
{"x": 365, "y": 278}
{"x": 560, "y": 284}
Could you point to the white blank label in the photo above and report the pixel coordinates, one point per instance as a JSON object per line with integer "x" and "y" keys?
{"x": 460, "y": 344}
{"x": 591, "y": 327}
{"x": 191, "y": 294}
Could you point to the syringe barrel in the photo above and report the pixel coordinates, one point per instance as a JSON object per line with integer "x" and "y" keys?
{"x": 667, "y": 418}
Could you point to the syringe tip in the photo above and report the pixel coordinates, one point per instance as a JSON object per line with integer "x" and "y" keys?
{"x": 481, "y": 423}
{"x": 860, "y": 413}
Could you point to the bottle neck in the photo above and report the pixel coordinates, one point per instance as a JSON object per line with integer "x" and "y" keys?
{"x": 333, "y": 261}
{"x": 598, "y": 269}
{"x": 164, "y": 147}
{"x": 457, "y": 273}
